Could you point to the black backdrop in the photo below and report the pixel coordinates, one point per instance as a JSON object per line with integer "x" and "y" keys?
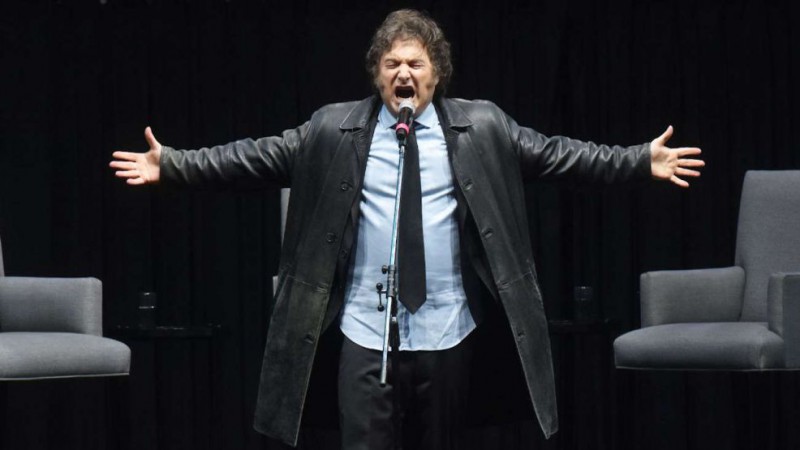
{"x": 80, "y": 79}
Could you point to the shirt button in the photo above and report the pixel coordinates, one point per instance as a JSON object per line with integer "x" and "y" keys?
{"x": 488, "y": 232}
{"x": 309, "y": 338}
{"x": 330, "y": 238}
{"x": 345, "y": 186}
{"x": 467, "y": 185}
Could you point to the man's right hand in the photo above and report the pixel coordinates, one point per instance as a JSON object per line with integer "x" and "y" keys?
{"x": 139, "y": 168}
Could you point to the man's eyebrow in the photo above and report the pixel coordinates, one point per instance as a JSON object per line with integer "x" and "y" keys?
{"x": 393, "y": 59}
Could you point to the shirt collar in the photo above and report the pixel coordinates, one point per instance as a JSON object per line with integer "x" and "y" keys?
{"x": 427, "y": 119}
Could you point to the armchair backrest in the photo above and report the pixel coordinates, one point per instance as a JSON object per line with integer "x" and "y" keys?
{"x": 768, "y": 235}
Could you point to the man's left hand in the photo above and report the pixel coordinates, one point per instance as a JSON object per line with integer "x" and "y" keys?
{"x": 673, "y": 163}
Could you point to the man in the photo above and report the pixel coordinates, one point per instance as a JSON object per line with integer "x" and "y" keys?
{"x": 341, "y": 165}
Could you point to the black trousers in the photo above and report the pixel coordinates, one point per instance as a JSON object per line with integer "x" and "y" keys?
{"x": 422, "y": 407}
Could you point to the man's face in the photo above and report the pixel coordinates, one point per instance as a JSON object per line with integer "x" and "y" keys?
{"x": 406, "y": 72}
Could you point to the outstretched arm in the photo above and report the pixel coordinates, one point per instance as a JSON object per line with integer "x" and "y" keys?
{"x": 139, "y": 168}
{"x": 673, "y": 163}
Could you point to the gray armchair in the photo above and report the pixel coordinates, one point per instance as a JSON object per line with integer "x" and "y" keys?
{"x": 52, "y": 328}
{"x": 745, "y": 317}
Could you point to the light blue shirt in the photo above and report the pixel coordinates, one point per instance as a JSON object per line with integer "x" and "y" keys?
{"x": 444, "y": 319}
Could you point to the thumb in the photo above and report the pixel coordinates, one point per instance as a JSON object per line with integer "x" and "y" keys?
{"x": 661, "y": 140}
{"x": 151, "y": 139}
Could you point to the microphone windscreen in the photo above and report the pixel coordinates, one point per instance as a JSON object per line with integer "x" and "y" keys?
{"x": 407, "y": 104}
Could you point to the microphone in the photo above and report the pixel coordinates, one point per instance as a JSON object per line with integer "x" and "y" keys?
{"x": 405, "y": 117}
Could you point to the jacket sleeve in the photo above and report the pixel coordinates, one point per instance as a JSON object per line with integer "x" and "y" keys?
{"x": 559, "y": 157}
{"x": 265, "y": 162}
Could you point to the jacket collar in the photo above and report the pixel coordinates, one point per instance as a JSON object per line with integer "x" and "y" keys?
{"x": 359, "y": 117}
{"x": 451, "y": 114}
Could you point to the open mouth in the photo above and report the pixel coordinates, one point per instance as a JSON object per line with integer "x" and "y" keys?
{"x": 404, "y": 91}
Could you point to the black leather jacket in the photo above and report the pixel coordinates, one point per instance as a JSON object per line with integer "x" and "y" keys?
{"x": 323, "y": 161}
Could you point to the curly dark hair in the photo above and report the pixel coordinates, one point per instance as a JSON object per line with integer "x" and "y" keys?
{"x": 412, "y": 24}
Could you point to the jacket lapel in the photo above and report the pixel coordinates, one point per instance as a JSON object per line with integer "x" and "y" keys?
{"x": 454, "y": 122}
{"x": 359, "y": 125}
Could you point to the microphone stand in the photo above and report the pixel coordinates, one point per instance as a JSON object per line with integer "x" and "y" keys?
{"x": 391, "y": 332}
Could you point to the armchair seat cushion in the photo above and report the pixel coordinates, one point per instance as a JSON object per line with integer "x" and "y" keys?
{"x": 33, "y": 355}
{"x": 701, "y": 346}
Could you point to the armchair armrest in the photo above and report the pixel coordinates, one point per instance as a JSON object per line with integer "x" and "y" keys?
{"x": 704, "y": 295}
{"x": 783, "y": 313}
{"x": 51, "y": 304}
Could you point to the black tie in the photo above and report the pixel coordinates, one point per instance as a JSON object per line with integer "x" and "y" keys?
{"x": 411, "y": 248}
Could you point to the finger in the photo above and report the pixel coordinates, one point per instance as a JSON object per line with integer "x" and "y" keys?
{"x": 687, "y": 172}
{"x": 679, "y": 182}
{"x": 135, "y": 181}
{"x": 688, "y": 151}
{"x": 127, "y": 173}
{"x": 151, "y": 139}
{"x": 127, "y": 156}
{"x": 124, "y": 165}
{"x": 664, "y": 136}
{"x": 691, "y": 163}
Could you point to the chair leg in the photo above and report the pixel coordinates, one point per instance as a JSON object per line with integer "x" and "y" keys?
{"x": 118, "y": 418}
{"x": 3, "y": 411}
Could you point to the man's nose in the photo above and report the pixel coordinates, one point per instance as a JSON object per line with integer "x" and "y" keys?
{"x": 403, "y": 74}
